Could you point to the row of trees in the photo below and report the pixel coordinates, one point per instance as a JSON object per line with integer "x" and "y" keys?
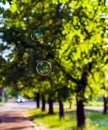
{"x": 74, "y": 42}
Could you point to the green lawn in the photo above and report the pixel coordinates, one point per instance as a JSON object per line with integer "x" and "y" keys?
{"x": 94, "y": 120}
{"x": 2, "y": 103}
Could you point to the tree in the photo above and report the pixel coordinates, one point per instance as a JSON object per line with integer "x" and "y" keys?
{"x": 73, "y": 39}
{"x": 82, "y": 49}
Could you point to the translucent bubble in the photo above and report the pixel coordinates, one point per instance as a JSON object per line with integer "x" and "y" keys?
{"x": 36, "y": 35}
{"x": 43, "y": 68}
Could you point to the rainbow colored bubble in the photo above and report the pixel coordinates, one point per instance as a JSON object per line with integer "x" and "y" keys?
{"x": 43, "y": 68}
{"x": 36, "y": 35}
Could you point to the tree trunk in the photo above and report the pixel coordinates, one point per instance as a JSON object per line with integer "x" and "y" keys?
{"x": 80, "y": 114}
{"x": 43, "y": 103}
{"x": 70, "y": 104}
{"x": 61, "y": 109}
{"x": 51, "y": 109}
{"x": 105, "y": 104}
{"x": 37, "y": 98}
{"x": 80, "y": 96}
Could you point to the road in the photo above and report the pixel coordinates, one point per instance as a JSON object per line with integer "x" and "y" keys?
{"x": 23, "y": 105}
{"x": 12, "y": 104}
{"x": 95, "y": 108}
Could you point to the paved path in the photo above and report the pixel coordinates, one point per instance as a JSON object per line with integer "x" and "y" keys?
{"x": 15, "y": 120}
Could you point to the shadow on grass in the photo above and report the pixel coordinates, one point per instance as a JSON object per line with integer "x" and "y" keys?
{"x": 54, "y": 121}
{"x": 96, "y": 115}
{"x": 41, "y": 115}
{"x": 69, "y": 112}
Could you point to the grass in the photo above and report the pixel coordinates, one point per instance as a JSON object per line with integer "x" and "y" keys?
{"x": 90, "y": 103}
{"x": 2, "y": 103}
{"x": 98, "y": 119}
{"x": 52, "y": 121}
{"x": 94, "y": 120}
{"x": 95, "y": 103}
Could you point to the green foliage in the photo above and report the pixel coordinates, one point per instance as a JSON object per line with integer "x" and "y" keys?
{"x": 84, "y": 39}
{"x": 73, "y": 35}
{"x": 95, "y": 120}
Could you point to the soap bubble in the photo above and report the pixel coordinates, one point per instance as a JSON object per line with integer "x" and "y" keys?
{"x": 43, "y": 68}
{"x": 36, "y": 35}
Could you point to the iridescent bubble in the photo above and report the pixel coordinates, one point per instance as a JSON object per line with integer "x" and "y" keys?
{"x": 43, "y": 68}
{"x": 36, "y": 35}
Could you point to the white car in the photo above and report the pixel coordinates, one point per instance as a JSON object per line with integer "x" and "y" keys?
{"x": 20, "y": 100}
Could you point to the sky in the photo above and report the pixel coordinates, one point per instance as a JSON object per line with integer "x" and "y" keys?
{"x": 106, "y": 2}
{"x": 6, "y": 6}
{"x": 6, "y": 52}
